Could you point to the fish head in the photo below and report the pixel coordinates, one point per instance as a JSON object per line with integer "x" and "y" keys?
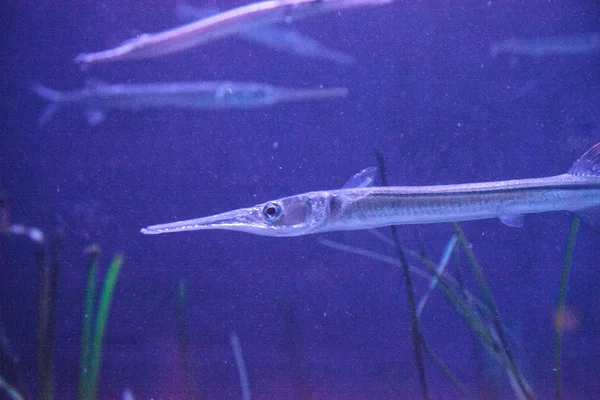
{"x": 290, "y": 216}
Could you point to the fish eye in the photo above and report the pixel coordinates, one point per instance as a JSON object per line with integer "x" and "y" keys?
{"x": 272, "y": 212}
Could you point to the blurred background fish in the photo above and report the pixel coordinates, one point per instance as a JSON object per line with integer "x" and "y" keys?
{"x": 547, "y": 46}
{"x": 230, "y": 22}
{"x": 97, "y": 98}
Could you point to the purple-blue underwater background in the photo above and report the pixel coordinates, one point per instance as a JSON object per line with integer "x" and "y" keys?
{"x": 313, "y": 322}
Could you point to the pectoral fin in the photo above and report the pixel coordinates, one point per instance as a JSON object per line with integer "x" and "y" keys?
{"x": 515, "y": 221}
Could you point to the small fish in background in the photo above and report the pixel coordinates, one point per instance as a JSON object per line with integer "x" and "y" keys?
{"x": 358, "y": 206}
{"x": 97, "y": 98}
{"x": 230, "y": 22}
{"x": 276, "y": 37}
{"x": 547, "y": 46}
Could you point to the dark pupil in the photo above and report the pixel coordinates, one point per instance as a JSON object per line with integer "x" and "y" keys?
{"x": 271, "y": 211}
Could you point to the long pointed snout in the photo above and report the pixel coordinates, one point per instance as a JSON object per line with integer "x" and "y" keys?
{"x": 232, "y": 220}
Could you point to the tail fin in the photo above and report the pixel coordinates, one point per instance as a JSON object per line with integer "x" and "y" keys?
{"x": 588, "y": 165}
{"x": 54, "y": 96}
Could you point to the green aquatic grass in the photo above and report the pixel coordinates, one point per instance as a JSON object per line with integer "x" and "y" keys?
{"x": 12, "y": 392}
{"x": 476, "y": 313}
{"x": 9, "y": 360}
{"x": 465, "y": 306}
{"x": 241, "y": 366}
{"x": 182, "y": 342}
{"x": 417, "y": 335}
{"x": 489, "y": 299}
{"x": 48, "y": 275}
{"x": 45, "y": 319}
{"x": 91, "y": 342}
{"x": 90, "y": 384}
{"x": 439, "y": 271}
{"x": 87, "y": 321}
{"x": 447, "y": 286}
{"x": 560, "y": 307}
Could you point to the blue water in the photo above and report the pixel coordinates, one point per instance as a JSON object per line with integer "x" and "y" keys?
{"x": 313, "y": 322}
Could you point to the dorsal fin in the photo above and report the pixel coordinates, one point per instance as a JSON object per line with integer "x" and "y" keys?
{"x": 362, "y": 179}
{"x": 142, "y": 37}
{"x": 588, "y": 164}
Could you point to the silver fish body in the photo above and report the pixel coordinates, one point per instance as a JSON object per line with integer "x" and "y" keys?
{"x": 375, "y": 207}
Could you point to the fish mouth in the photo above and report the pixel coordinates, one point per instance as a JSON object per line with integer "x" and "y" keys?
{"x": 237, "y": 220}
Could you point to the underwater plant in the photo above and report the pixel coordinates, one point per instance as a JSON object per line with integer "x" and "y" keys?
{"x": 241, "y": 366}
{"x": 182, "y": 342}
{"x": 48, "y": 277}
{"x": 417, "y": 336}
{"x": 91, "y": 342}
{"x": 88, "y": 309}
{"x": 46, "y": 302}
{"x": 474, "y": 311}
{"x": 560, "y": 307}
{"x": 91, "y": 350}
{"x": 10, "y": 391}
{"x": 480, "y": 314}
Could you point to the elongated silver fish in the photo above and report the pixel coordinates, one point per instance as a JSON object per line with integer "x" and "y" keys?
{"x": 276, "y": 37}
{"x": 229, "y": 22}
{"x": 549, "y": 45}
{"x": 195, "y": 95}
{"x": 362, "y": 207}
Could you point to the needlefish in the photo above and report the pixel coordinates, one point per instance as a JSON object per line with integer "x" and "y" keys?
{"x": 96, "y": 98}
{"x": 360, "y": 206}
{"x": 229, "y": 22}
{"x": 550, "y": 45}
